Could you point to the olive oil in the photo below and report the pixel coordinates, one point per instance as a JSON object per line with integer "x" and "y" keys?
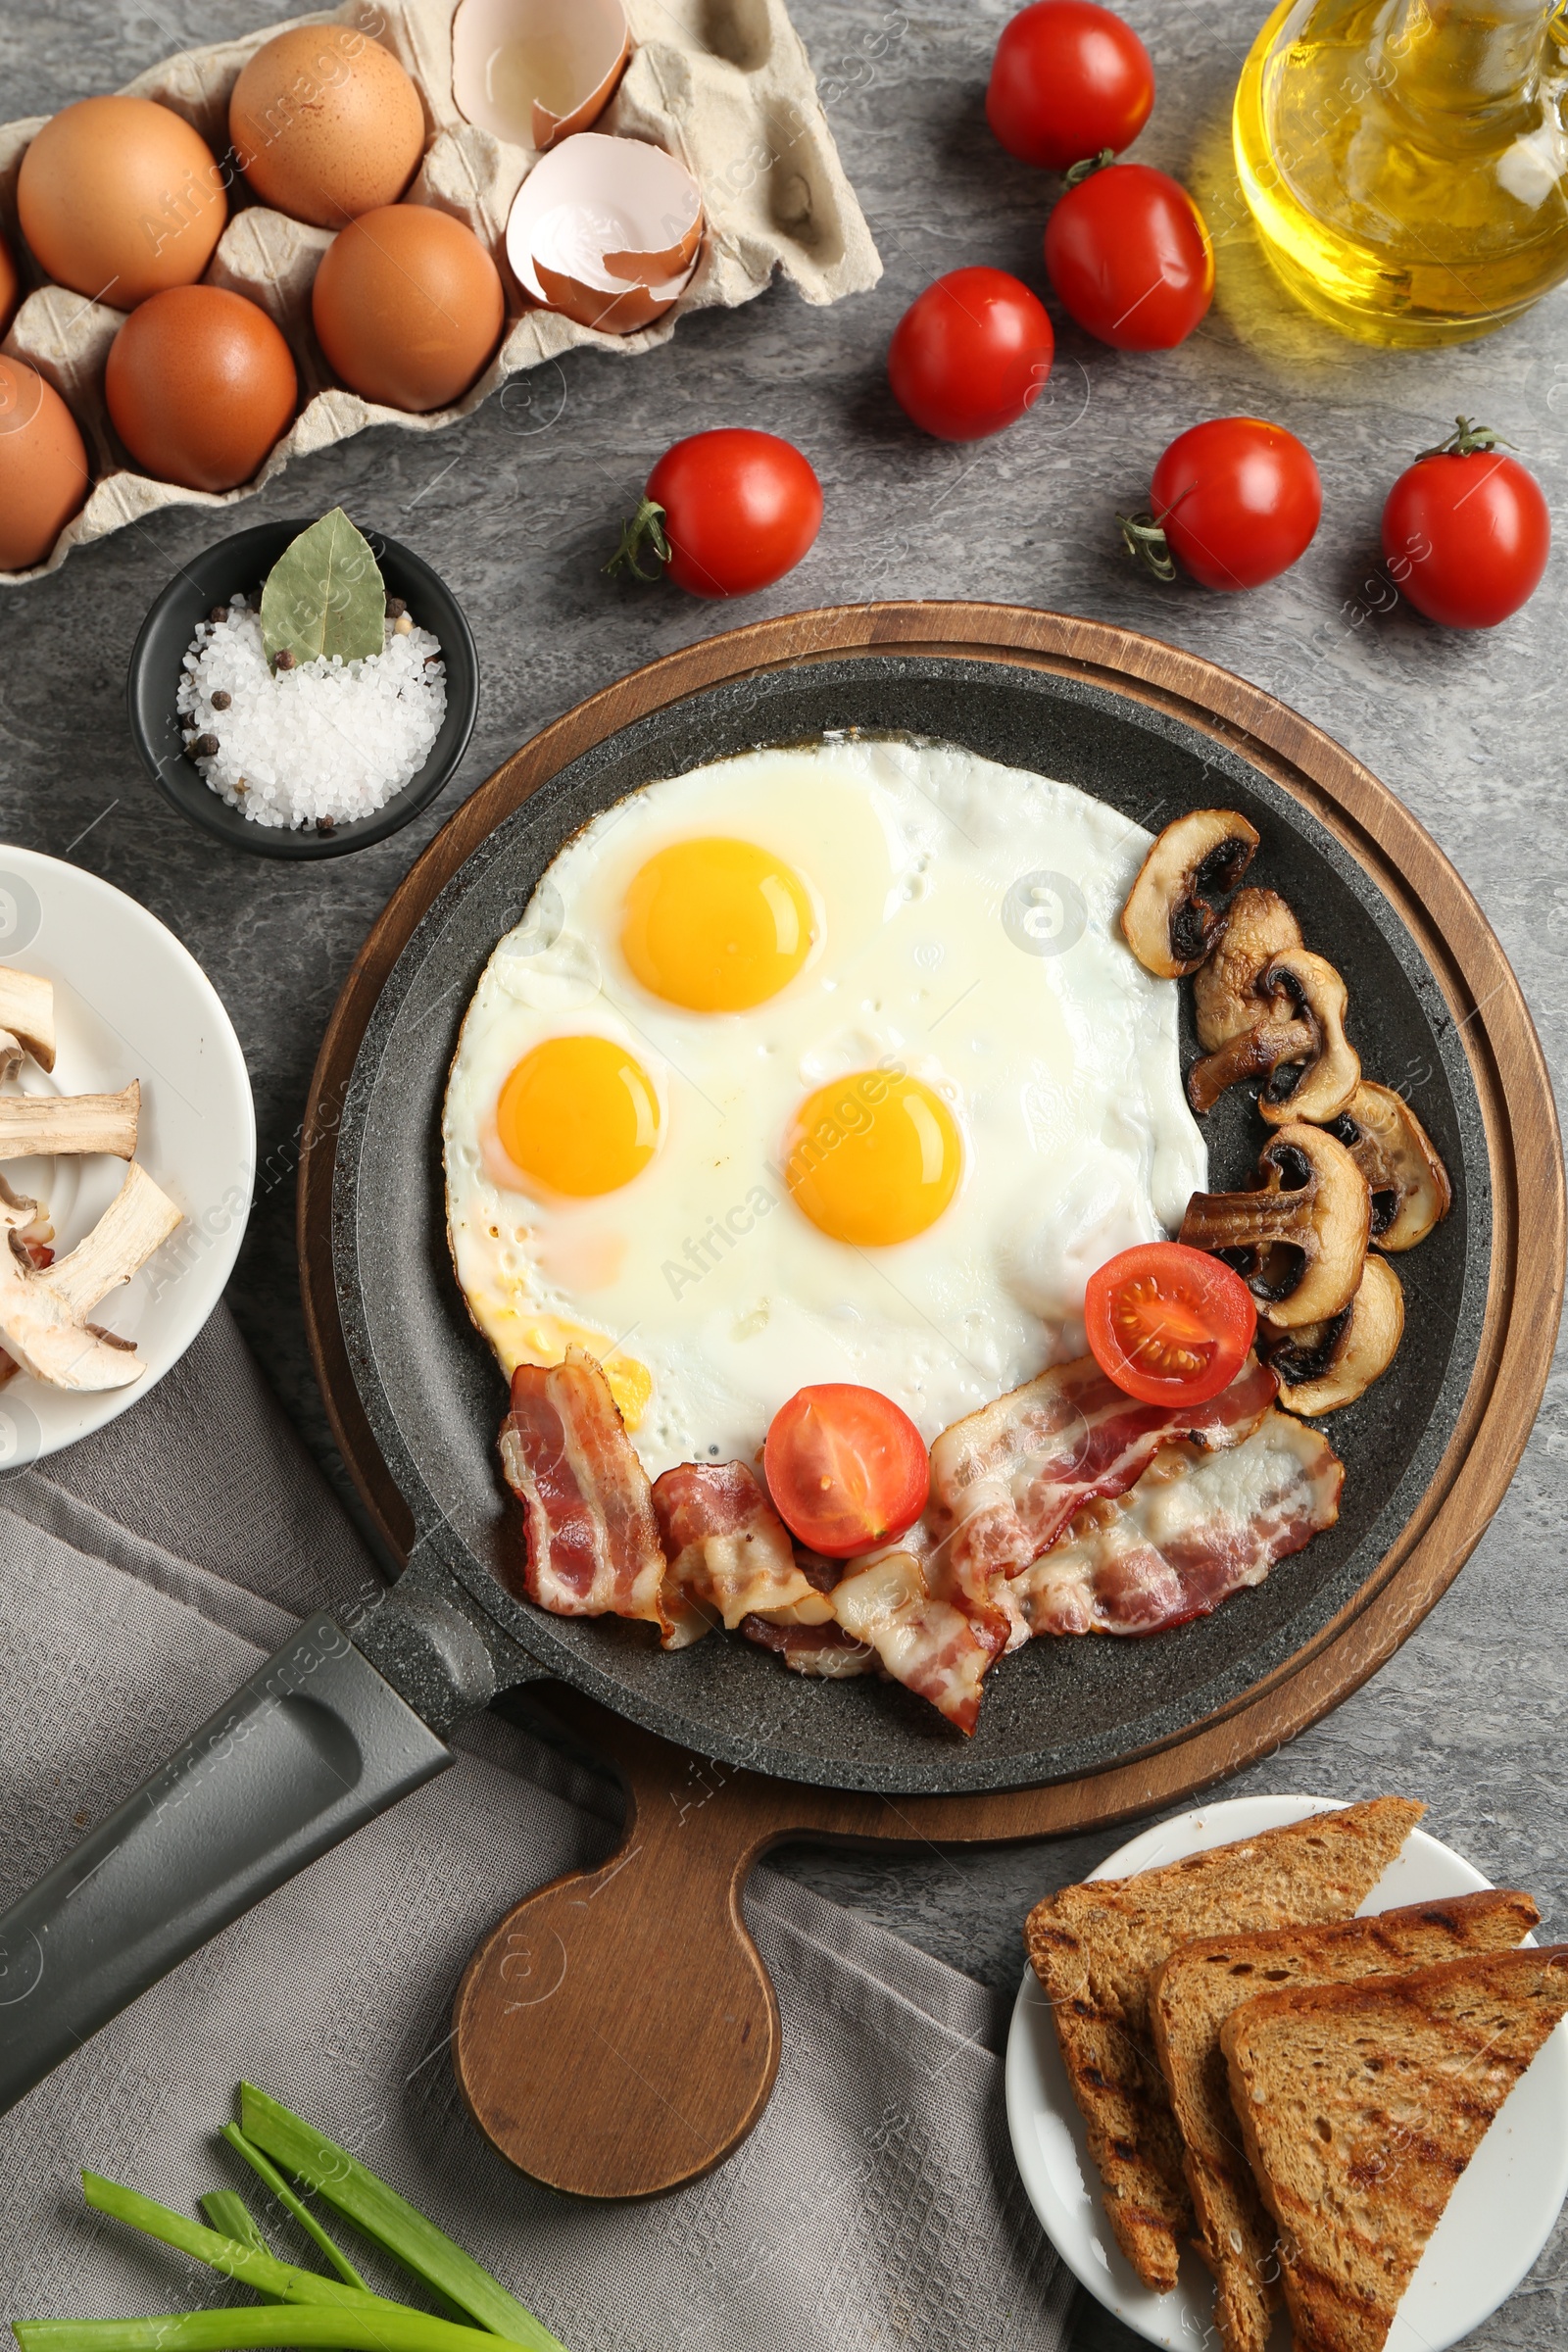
{"x": 1406, "y": 160}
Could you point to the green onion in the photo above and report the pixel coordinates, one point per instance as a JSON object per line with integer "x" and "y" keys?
{"x": 368, "y": 2327}
{"x": 269, "y": 2173}
{"x": 390, "y": 2220}
{"x": 225, "y": 2254}
{"x": 228, "y": 2214}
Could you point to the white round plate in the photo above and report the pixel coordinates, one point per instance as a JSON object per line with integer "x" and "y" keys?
{"x": 1492, "y": 2228}
{"x": 130, "y": 1002}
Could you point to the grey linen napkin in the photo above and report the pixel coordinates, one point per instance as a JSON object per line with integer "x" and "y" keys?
{"x": 143, "y": 1574}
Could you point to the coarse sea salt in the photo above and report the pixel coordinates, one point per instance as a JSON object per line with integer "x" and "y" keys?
{"x": 320, "y": 743}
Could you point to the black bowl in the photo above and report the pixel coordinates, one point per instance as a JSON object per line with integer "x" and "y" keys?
{"x": 237, "y": 567}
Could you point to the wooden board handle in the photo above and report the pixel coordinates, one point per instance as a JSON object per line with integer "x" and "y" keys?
{"x": 616, "y": 2034}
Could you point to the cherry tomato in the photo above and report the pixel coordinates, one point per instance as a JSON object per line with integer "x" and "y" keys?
{"x": 1168, "y": 1324}
{"x": 1130, "y": 256}
{"x": 725, "y": 513}
{"x": 845, "y": 1468}
{"x": 1235, "y": 501}
{"x": 1466, "y": 532}
{"x": 1069, "y": 81}
{"x": 970, "y": 354}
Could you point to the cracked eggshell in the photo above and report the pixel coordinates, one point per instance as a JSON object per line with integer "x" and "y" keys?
{"x": 607, "y": 232}
{"x": 533, "y": 72}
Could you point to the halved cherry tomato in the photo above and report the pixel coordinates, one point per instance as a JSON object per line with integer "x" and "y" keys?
{"x": 1130, "y": 256}
{"x": 845, "y": 1468}
{"x": 1237, "y": 501}
{"x": 1069, "y": 79}
{"x": 725, "y": 513}
{"x": 970, "y": 354}
{"x": 1466, "y": 532}
{"x": 1168, "y": 1324}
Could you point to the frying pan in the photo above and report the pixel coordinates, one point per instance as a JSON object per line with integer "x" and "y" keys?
{"x": 350, "y": 1716}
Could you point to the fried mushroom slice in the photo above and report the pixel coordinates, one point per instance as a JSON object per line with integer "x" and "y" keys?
{"x": 1170, "y": 921}
{"x": 1260, "y": 927}
{"x": 1321, "y": 1366}
{"x": 1318, "y": 1089}
{"x": 1409, "y": 1182}
{"x": 1297, "y": 1046}
{"x": 1299, "y": 1241}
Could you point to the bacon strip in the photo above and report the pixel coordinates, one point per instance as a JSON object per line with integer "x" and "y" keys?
{"x": 1007, "y": 1480}
{"x": 1195, "y": 1527}
{"x": 824, "y": 1651}
{"x": 593, "y": 1541}
{"x": 729, "y": 1551}
{"x": 935, "y": 1647}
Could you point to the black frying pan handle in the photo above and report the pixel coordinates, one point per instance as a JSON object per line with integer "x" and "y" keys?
{"x": 316, "y": 1742}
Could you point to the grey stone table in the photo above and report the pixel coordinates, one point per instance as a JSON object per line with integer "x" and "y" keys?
{"x": 1466, "y": 729}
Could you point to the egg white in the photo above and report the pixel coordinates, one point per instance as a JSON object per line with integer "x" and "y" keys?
{"x": 709, "y": 1295}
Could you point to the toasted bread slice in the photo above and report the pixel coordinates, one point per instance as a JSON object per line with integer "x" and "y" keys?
{"x": 1361, "y": 2104}
{"x": 1194, "y": 1993}
{"x": 1096, "y": 1946}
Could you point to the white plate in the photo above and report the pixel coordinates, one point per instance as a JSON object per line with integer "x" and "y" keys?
{"x": 130, "y": 1002}
{"x": 1493, "y": 2227}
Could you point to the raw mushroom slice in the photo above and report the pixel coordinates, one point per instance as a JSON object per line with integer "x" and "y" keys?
{"x": 44, "y": 1314}
{"x": 1321, "y": 1366}
{"x": 1297, "y": 1046}
{"x": 27, "y": 1019}
{"x": 47, "y": 1124}
{"x": 1170, "y": 920}
{"x": 606, "y": 231}
{"x": 1409, "y": 1184}
{"x": 1259, "y": 927}
{"x": 1299, "y": 1240}
{"x": 533, "y": 72}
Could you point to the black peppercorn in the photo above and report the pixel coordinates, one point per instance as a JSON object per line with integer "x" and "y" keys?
{"x": 218, "y": 613}
{"x": 221, "y": 700}
{"x": 205, "y": 747}
{"x": 284, "y": 660}
{"x": 326, "y": 824}
{"x": 395, "y": 608}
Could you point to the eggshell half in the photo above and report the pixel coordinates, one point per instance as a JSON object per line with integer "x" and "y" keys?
{"x": 326, "y": 125}
{"x": 605, "y": 231}
{"x": 533, "y": 72}
{"x": 408, "y": 307}
{"x": 118, "y": 198}
{"x": 43, "y": 467}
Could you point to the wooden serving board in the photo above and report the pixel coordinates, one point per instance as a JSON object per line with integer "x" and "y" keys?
{"x": 617, "y": 2034}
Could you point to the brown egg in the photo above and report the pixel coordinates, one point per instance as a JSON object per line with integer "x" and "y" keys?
{"x": 119, "y": 198}
{"x": 9, "y": 287}
{"x": 200, "y": 384}
{"x": 408, "y": 307}
{"x": 326, "y": 125}
{"x": 44, "y": 465}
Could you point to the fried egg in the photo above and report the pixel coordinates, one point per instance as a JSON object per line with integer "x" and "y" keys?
{"x": 820, "y": 1064}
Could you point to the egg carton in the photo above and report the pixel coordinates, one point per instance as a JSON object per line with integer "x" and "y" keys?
{"x": 724, "y": 85}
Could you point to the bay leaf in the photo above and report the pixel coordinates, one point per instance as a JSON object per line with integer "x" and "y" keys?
{"x": 325, "y": 594}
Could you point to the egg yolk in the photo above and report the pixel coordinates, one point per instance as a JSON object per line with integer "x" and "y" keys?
{"x": 578, "y": 1115}
{"x": 873, "y": 1158}
{"x": 716, "y": 925}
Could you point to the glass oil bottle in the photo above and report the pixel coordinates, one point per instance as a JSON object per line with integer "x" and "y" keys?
{"x": 1407, "y": 161}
